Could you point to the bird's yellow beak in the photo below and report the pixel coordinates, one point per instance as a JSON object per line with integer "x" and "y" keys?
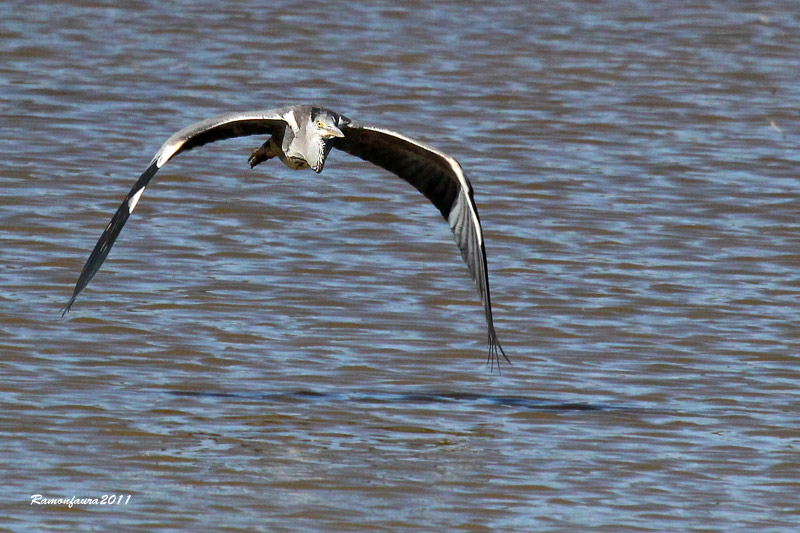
{"x": 333, "y": 131}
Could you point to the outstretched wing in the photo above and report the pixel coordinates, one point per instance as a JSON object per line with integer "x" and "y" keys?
{"x": 441, "y": 179}
{"x": 214, "y": 129}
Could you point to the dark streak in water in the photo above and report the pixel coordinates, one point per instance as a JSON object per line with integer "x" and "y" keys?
{"x": 427, "y": 398}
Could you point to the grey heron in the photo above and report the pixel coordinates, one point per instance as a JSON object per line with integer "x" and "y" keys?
{"x": 301, "y": 137}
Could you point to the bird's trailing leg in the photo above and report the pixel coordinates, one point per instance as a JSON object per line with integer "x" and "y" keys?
{"x": 259, "y": 155}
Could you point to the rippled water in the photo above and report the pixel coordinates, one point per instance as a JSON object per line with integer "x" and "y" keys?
{"x": 268, "y": 349}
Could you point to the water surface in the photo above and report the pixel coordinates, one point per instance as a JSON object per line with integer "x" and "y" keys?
{"x": 275, "y": 350}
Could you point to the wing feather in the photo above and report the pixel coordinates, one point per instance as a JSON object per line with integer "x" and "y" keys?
{"x": 441, "y": 179}
{"x": 200, "y": 133}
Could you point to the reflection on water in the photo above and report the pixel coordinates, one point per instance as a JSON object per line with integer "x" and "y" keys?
{"x": 635, "y": 167}
{"x": 425, "y": 398}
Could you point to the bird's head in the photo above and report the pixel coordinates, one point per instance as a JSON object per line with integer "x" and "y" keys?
{"x": 326, "y": 125}
{"x": 322, "y": 128}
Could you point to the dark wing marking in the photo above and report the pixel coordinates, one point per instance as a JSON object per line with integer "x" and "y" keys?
{"x": 441, "y": 179}
{"x": 198, "y": 134}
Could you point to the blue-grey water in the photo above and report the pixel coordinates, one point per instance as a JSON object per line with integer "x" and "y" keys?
{"x": 282, "y": 351}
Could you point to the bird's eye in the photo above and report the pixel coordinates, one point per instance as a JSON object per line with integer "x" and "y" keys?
{"x": 320, "y": 124}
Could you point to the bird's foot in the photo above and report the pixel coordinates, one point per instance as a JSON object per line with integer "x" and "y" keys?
{"x": 260, "y": 155}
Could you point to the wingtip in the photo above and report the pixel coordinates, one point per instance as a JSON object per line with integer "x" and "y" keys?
{"x": 494, "y": 357}
{"x": 64, "y": 310}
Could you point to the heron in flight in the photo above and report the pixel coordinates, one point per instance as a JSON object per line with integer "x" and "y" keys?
{"x": 301, "y": 137}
